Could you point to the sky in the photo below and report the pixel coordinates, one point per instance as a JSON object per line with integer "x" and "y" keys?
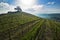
{"x": 31, "y": 6}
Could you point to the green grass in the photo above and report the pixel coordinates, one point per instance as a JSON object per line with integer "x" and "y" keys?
{"x": 14, "y": 20}
{"x": 24, "y": 26}
{"x": 32, "y": 33}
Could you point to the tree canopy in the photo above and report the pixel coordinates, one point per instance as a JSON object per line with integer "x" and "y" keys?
{"x": 18, "y": 9}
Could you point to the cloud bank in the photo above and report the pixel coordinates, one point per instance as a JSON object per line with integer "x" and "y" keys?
{"x": 29, "y": 6}
{"x": 32, "y": 7}
{"x": 51, "y": 3}
{"x": 5, "y": 7}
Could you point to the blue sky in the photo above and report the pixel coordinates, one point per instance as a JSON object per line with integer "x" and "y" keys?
{"x": 56, "y": 5}
{"x": 33, "y": 6}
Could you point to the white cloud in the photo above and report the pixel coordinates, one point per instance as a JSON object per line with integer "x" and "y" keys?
{"x": 51, "y": 3}
{"x": 5, "y": 7}
{"x": 25, "y": 4}
{"x": 47, "y": 11}
{"x": 34, "y": 8}
{"x": 29, "y": 6}
{"x": 38, "y": 7}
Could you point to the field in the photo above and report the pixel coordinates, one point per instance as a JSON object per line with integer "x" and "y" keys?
{"x": 24, "y": 26}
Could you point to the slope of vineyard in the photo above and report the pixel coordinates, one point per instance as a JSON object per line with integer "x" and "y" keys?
{"x": 24, "y": 26}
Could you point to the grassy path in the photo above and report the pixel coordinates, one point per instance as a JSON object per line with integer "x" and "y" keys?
{"x": 31, "y": 35}
{"x": 40, "y": 29}
{"x": 48, "y": 31}
{"x": 18, "y": 32}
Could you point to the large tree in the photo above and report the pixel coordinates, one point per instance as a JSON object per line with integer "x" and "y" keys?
{"x": 18, "y": 9}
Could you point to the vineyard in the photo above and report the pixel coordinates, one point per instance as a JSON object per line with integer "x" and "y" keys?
{"x": 24, "y": 26}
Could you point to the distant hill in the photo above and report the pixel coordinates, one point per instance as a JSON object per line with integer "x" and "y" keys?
{"x": 25, "y": 26}
{"x": 52, "y": 16}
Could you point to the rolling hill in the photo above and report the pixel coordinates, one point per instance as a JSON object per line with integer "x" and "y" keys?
{"x": 24, "y": 26}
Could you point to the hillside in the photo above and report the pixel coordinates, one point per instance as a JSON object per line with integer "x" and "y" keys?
{"x": 24, "y": 26}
